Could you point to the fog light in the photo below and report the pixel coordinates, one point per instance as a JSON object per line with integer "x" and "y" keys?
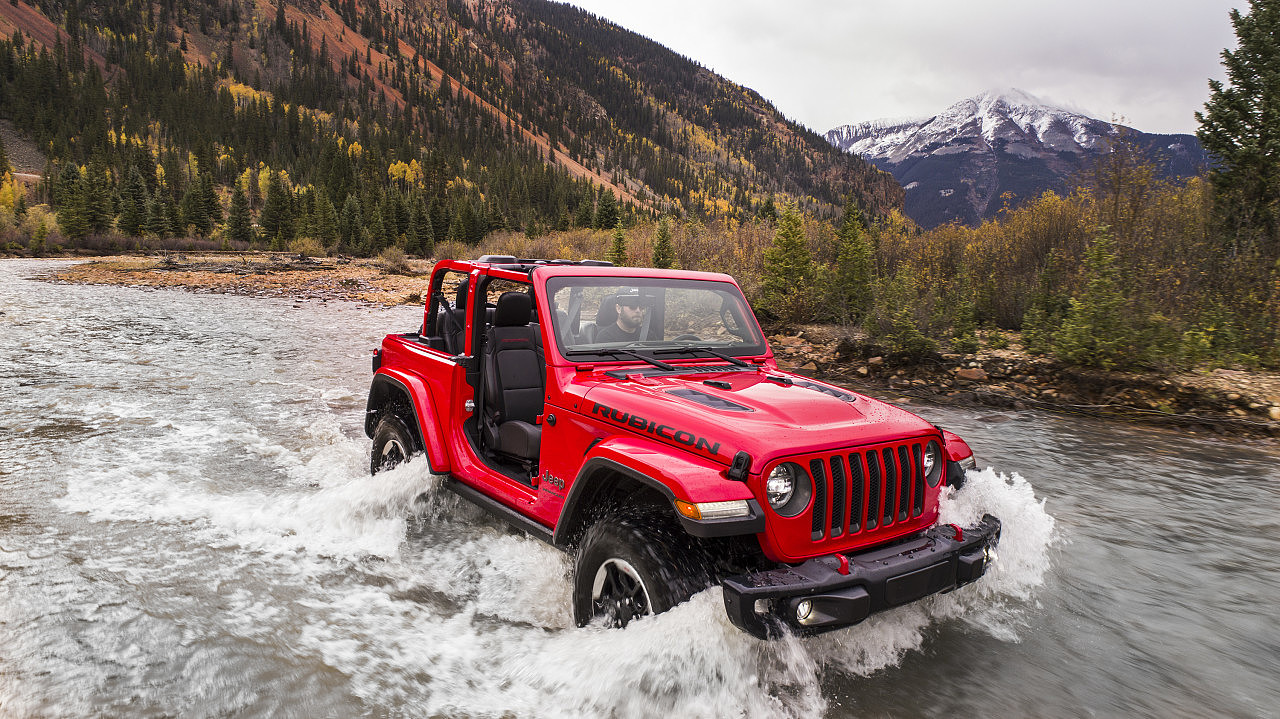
{"x": 804, "y": 610}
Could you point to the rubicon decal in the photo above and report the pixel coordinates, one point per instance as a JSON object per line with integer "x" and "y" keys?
{"x": 661, "y": 430}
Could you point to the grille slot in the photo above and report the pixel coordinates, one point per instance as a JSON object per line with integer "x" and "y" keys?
{"x": 839, "y": 512}
{"x": 917, "y": 508}
{"x": 904, "y": 488}
{"x": 873, "y": 489}
{"x": 858, "y": 478}
{"x": 820, "y": 505}
{"x": 890, "y": 485}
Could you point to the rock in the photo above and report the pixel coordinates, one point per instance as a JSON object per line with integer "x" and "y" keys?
{"x": 863, "y": 371}
{"x": 1274, "y": 414}
{"x": 875, "y": 362}
{"x": 971, "y": 374}
{"x": 1232, "y": 396}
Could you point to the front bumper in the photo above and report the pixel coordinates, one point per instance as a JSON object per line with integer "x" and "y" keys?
{"x": 844, "y": 590}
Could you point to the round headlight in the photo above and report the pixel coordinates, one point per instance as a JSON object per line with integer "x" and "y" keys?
{"x": 933, "y": 463}
{"x": 780, "y": 485}
{"x": 788, "y": 489}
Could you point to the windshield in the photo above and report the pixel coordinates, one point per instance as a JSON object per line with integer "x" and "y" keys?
{"x": 600, "y": 315}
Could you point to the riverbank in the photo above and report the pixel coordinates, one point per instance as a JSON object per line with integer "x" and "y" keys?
{"x": 261, "y": 274}
{"x": 1223, "y": 401}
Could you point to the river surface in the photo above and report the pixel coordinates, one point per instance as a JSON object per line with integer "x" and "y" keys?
{"x": 188, "y": 528}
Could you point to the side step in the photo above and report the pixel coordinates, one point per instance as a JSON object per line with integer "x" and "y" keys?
{"x": 498, "y": 509}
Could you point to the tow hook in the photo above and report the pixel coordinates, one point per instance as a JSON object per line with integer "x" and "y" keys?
{"x": 844, "y": 564}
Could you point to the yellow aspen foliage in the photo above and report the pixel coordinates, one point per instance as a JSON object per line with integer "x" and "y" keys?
{"x": 9, "y": 192}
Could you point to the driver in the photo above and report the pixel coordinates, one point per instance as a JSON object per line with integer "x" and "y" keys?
{"x": 631, "y": 311}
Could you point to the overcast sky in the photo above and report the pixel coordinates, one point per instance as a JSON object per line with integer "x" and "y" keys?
{"x": 833, "y": 62}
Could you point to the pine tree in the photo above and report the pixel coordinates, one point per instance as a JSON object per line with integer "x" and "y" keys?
{"x": 325, "y": 221}
{"x": 377, "y": 230}
{"x": 350, "y": 225}
{"x": 4, "y": 159}
{"x": 158, "y": 222}
{"x": 852, "y": 282}
{"x": 586, "y": 212}
{"x": 1095, "y": 332}
{"x": 788, "y": 265}
{"x": 209, "y": 199}
{"x": 191, "y": 210}
{"x": 618, "y": 249}
{"x": 664, "y": 256}
{"x": 73, "y": 216}
{"x": 133, "y": 205}
{"x": 277, "y": 212}
{"x": 606, "y": 211}
{"x": 421, "y": 238}
{"x": 1240, "y": 127}
{"x": 97, "y": 189}
{"x": 168, "y": 215}
{"x": 239, "y": 222}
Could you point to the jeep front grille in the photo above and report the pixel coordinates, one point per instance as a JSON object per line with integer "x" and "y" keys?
{"x": 868, "y": 489}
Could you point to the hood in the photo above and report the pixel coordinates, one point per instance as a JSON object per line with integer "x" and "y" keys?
{"x": 768, "y": 414}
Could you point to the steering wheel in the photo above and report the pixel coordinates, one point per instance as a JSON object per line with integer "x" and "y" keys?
{"x": 686, "y": 337}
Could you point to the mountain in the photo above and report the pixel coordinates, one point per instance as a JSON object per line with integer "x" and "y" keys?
{"x": 483, "y": 114}
{"x": 959, "y": 164}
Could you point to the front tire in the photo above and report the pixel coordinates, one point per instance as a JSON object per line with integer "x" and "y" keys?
{"x": 634, "y": 564}
{"x": 393, "y": 443}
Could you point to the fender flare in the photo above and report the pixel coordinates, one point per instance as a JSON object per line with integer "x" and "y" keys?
{"x": 617, "y": 456}
{"x": 417, "y": 394}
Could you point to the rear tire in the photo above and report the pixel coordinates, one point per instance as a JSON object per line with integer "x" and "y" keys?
{"x": 393, "y": 443}
{"x": 634, "y": 564}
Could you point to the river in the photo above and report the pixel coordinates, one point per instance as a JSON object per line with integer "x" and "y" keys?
{"x": 188, "y": 528}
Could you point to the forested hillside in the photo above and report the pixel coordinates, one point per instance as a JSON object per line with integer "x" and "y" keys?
{"x": 363, "y": 124}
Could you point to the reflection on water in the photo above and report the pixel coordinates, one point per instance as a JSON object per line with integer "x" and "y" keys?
{"x": 187, "y": 527}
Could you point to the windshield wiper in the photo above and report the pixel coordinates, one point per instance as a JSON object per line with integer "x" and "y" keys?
{"x": 617, "y": 351}
{"x": 707, "y": 350}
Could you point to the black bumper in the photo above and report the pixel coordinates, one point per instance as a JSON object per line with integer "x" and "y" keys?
{"x": 939, "y": 560}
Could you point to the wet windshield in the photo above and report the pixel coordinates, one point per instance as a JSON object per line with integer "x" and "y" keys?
{"x": 602, "y": 315}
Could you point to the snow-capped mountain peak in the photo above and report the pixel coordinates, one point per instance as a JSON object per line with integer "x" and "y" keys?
{"x": 958, "y": 164}
{"x": 1009, "y": 116}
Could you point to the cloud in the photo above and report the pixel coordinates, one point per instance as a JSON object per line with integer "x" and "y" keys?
{"x": 828, "y": 63}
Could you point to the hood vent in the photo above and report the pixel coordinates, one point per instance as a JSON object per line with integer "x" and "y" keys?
{"x": 708, "y": 400}
{"x": 842, "y": 396}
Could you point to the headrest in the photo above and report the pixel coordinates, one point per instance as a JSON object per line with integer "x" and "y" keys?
{"x": 608, "y": 312}
{"x": 514, "y": 309}
{"x": 460, "y": 301}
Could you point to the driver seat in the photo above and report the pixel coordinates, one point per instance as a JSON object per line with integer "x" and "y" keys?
{"x": 513, "y": 384}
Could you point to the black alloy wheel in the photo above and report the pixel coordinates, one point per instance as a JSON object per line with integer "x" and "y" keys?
{"x": 393, "y": 444}
{"x": 632, "y": 564}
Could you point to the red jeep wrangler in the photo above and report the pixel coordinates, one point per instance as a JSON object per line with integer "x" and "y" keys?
{"x": 637, "y": 417}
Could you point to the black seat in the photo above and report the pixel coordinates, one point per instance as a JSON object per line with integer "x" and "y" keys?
{"x": 513, "y": 380}
{"x": 606, "y": 315}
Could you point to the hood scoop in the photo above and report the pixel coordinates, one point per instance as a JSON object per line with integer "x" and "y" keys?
{"x": 708, "y": 400}
{"x": 842, "y": 396}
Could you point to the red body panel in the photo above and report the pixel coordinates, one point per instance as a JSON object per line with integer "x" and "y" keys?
{"x": 687, "y": 446}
